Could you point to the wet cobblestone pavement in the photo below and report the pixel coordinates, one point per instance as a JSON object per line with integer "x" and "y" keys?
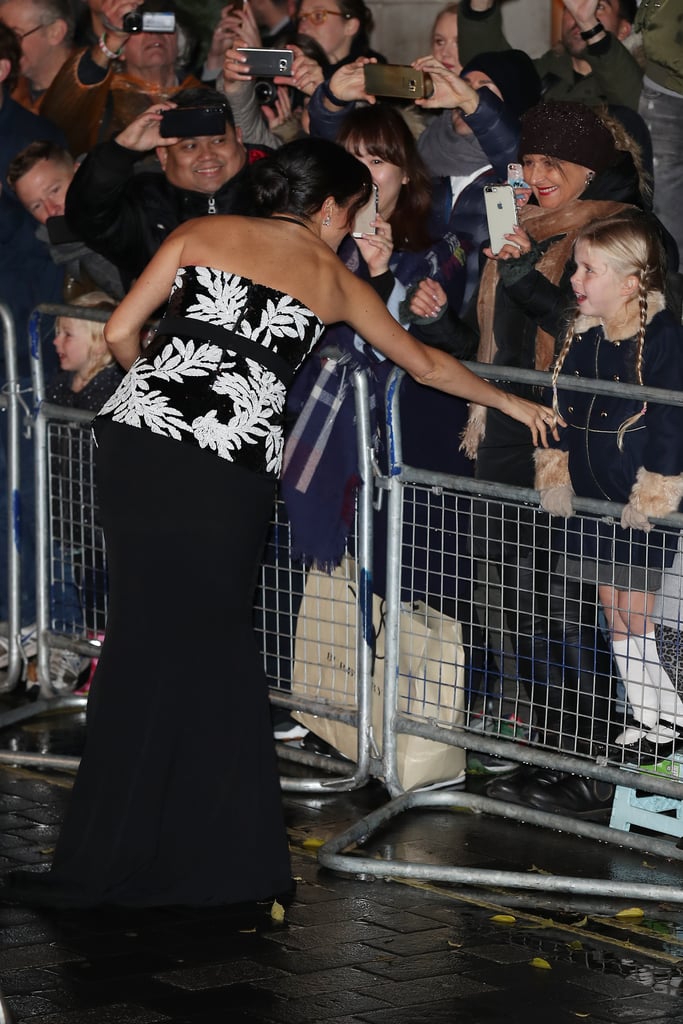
{"x": 350, "y": 948}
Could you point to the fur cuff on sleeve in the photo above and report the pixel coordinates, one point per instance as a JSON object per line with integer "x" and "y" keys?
{"x": 474, "y": 431}
{"x": 552, "y": 468}
{"x": 656, "y": 495}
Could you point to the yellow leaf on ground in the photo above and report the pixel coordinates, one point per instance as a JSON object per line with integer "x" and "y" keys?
{"x": 575, "y": 944}
{"x": 312, "y": 843}
{"x": 630, "y": 912}
{"x": 277, "y": 912}
{"x": 503, "y": 918}
{"x": 456, "y": 945}
{"x": 539, "y": 962}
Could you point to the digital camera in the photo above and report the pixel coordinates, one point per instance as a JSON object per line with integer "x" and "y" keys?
{"x": 148, "y": 21}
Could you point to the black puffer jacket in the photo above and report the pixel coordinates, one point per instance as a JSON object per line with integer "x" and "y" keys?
{"x": 126, "y": 216}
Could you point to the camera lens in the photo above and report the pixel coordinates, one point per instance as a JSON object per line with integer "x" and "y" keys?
{"x": 132, "y": 22}
{"x": 265, "y": 90}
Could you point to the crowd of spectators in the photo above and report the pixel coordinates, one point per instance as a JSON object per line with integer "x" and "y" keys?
{"x": 91, "y": 184}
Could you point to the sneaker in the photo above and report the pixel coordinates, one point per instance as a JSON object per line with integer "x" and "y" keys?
{"x": 288, "y": 729}
{"x": 68, "y": 669}
{"x": 480, "y": 763}
{"x": 29, "y": 645}
{"x": 510, "y": 727}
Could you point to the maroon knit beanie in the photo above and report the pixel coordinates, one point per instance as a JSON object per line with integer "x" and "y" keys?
{"x": 568, "y": 131}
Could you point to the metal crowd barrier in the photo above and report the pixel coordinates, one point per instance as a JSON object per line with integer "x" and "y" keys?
{"x": 509, "y": 712}
{"x": 456, "y": 704}
{"x": 11, "y": 408}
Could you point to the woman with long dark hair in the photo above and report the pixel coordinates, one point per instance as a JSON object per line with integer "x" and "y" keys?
{"x": 177, "y": 798}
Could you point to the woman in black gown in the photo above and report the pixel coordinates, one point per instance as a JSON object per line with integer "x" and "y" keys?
{"x": 177, "y": 798}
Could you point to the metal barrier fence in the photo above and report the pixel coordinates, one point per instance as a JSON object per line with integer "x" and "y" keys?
{"x": 456, "y": 674}
{"x": 11, "y": 412}
{"x": 555, "y": 690}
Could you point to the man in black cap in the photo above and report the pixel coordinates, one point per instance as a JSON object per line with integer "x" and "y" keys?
{"x": 590, "y": 64}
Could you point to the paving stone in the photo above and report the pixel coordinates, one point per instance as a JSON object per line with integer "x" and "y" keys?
{"x": 194, "y": 979}
{"x": 319, "y": 936}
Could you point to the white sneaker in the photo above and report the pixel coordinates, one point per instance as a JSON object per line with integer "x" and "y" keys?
{"x": 66, "y": 669}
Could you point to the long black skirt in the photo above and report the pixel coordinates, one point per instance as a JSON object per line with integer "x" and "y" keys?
{"x": 177, "y": 799}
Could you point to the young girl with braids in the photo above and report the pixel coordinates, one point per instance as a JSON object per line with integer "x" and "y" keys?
{"x": 624, "y": 450}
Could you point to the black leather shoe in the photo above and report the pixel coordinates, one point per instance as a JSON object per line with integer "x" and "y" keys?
{"x": 573, "y": 796}
{"x": 511, "y": 789}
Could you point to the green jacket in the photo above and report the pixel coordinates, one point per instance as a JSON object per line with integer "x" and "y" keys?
{"x": 660, "y": 23}
{"x": 615, "y": 75}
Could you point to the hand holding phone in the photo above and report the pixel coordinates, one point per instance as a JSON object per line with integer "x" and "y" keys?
{"x": 265, "y": 63}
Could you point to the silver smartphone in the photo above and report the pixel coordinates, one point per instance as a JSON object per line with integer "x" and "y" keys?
{"x": 501, "y": 214}
{"x": 267, "y": 63}
{"x": 362, "y": 224}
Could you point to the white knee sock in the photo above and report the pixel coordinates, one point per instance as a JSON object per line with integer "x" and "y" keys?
{"x": 642, "y": 695}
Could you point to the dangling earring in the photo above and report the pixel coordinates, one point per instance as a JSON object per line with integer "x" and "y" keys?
{"x": 328, "y": 219}
{"x": 589, "y": 177}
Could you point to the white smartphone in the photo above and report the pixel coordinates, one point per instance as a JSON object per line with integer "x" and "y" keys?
{"x": 501, "y": 214}
{"x": 362, "y": 224}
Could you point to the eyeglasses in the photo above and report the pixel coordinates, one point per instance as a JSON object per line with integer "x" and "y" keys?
{"x": 23, "y": 35}
{"x": 319, "y": 16}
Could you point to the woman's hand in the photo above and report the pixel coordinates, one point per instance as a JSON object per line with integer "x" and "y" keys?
{"x": 450, "y": 90}
{"x": 428, "y": 299}
{"x": 283, "y": 109}
{"x": 246, "y": 27}
{"x": 348, "y": 82}
{"x": 376, "y": 249}
{"x": 229, "y": 25}
{"x": 306, "y": 73}
{"x": 538, "y": 418}
{"x": 519, "y": 244}
{"x": 235, "y": 70}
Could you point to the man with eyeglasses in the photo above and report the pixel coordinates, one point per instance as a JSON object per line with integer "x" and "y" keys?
{"x": 45, "y": 30}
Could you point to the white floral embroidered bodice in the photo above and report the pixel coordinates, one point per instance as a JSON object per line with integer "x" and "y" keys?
{"x": 188, "y": 387}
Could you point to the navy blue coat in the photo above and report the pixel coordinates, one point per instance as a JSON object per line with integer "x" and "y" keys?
{"x": 597, "y": 467}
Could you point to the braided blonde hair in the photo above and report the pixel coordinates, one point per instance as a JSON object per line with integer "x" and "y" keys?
{"x": 630, "y": 244}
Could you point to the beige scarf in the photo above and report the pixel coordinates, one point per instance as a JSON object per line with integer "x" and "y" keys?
{"x": 540, "y": 224}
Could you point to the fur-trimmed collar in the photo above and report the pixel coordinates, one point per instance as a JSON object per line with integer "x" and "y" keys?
{"x": 655, "y": 304}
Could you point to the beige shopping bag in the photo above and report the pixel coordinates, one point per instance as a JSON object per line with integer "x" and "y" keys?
{"x": 431, "y": 674}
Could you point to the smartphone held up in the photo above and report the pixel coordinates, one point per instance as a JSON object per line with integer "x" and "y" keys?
{"x": 501, "y": 214}
{"x": 363, "y": 221}
{"x": 397, "y": 80}
{"x": 190, "y": 122}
